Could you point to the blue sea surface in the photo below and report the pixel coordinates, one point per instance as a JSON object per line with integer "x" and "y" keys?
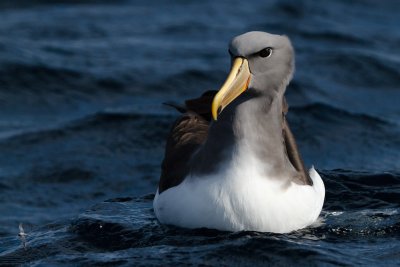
{"x": 83, "y": 128}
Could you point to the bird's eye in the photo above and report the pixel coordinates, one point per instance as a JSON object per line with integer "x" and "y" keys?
{"x": 266, "y": 52}
{"x": 230, "y": 53}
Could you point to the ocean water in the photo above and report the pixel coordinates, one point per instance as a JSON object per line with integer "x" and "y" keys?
{"x": 83, "y": 128}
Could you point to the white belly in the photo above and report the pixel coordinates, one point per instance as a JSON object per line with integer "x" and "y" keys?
{"x": 238, "y": 201}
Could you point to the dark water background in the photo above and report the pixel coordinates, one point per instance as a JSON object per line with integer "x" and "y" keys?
{"x": 82, "y": 127}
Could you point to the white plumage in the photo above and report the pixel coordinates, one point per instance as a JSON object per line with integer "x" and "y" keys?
{"x": 240, "y": 199}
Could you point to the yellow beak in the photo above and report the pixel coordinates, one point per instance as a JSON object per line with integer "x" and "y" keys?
{"x": 237, "y": 82}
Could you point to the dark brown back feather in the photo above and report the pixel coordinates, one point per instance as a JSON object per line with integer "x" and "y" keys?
{"x": 187, "y": 134}
{"x": 294, "y": 155}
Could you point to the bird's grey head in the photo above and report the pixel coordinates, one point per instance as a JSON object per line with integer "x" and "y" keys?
{"x": 262, "y": 62}
{"x": 270, "y": 56}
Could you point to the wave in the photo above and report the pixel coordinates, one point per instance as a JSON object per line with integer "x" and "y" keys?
{"x": 328, "y": 113}
{"x": 140, "y": 229}
{"x": 128, "y": 224}
{"x": 333, "y": 36}
{"x": 352, "y": 190}
{"x": 100, "y": 122}
{"x": 42, "y": 79}
{"x": 358, "y": 67}
{"x": 61, "y": 175}
{"x": 34, "y": 3}
{"x": 190, "y": 82}
{"x": 330, "y": 138}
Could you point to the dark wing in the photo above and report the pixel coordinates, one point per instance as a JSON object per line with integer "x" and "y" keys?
{"x": 202, "y": 105}
{"x": 187, "y": 134}
{"x": 292, "y": 150}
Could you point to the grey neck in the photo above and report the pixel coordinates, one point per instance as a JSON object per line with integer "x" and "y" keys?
{"x": 250, "y": 124}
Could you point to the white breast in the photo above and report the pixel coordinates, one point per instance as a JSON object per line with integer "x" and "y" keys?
{"x": 240, "y": 199}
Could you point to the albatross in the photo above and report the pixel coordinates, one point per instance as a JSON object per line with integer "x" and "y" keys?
{"x": 231, "y": 161}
